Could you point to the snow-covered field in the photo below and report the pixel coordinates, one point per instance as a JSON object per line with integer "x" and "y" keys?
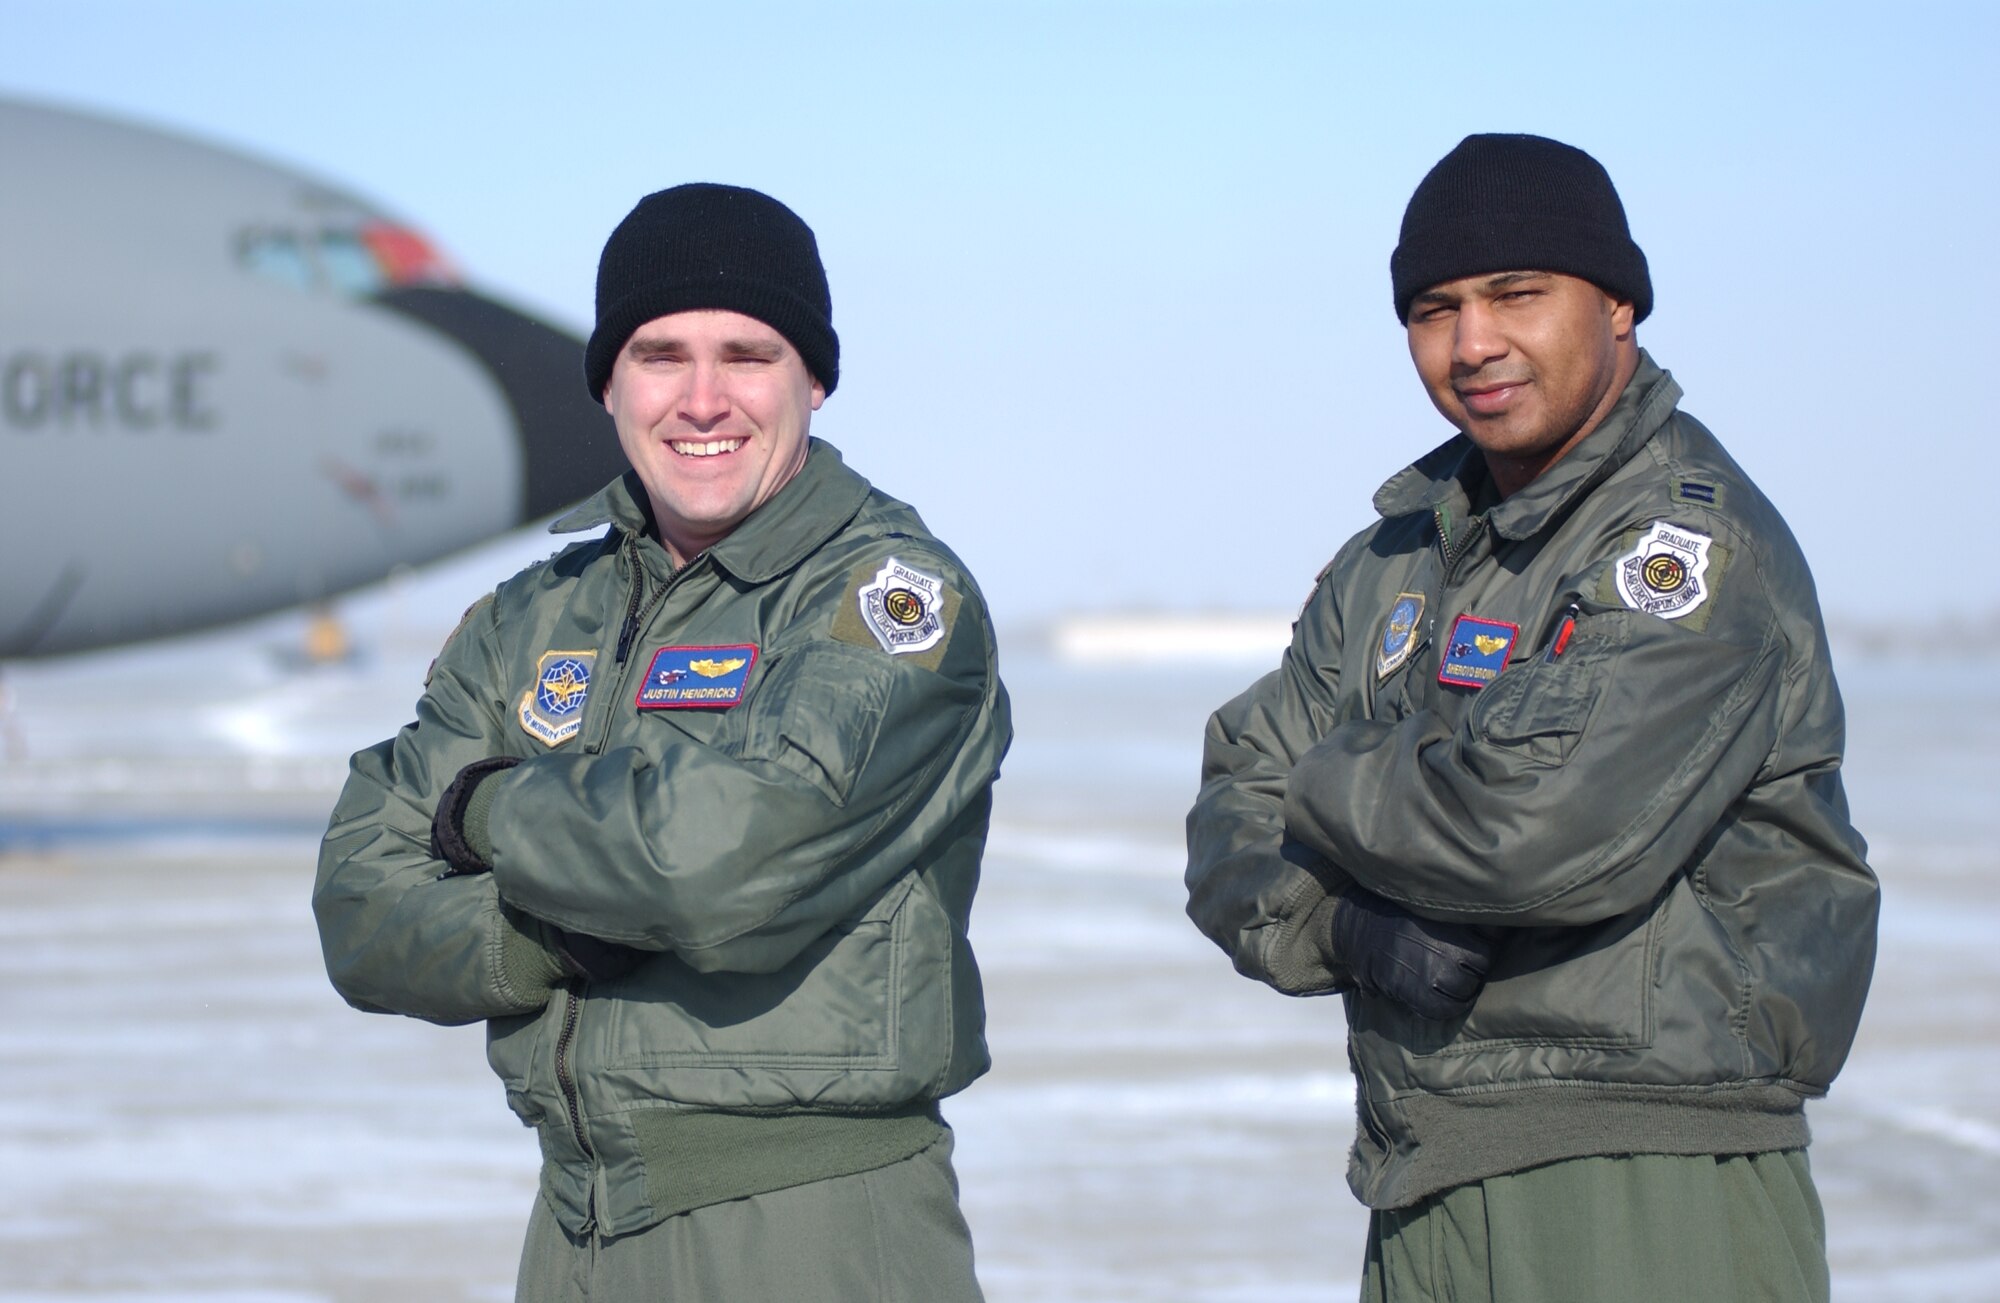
{"x": 187, "y": 1112}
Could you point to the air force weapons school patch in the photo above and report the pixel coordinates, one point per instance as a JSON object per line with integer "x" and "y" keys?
{"x": 903, "y": 608}
{"x": 552, "y": 711}
{"x": 900, "y": 609}
{"x": 1667, "y": 573}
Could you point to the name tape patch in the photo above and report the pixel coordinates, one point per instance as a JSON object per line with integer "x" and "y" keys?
{"x": 681, "y": 678}
{"x": 1477, "y": 651}
{"x": 1665, "y": 574}
{"x": 551, "y": 711}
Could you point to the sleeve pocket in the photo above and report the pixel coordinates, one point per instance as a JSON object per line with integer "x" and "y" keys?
{"x": 818, "y": 714}
{"x": 1539, "y": 709}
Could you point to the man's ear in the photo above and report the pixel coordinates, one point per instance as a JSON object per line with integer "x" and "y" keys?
{"x": 1621, "y": 316}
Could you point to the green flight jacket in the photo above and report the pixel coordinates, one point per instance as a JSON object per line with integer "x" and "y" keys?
{"x": 725, "y": 765}
{"x": 1639, "y": 787}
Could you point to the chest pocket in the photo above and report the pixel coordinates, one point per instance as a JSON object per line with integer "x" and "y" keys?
{"x": 1539, "y": 708}
{"x": 817, "y": 713}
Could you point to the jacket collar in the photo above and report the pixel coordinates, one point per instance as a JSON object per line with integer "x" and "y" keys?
{"x": 1445, "y": 475}
{"x": 818, "y": 501}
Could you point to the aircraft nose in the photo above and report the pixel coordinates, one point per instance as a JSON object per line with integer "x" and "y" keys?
{"x": 569, "y": 446}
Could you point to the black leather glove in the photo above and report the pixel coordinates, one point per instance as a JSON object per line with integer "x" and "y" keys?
{"x": 449, "y": 839}
{"x": 1432, "y": 969}
{"x": 592, "y": 959}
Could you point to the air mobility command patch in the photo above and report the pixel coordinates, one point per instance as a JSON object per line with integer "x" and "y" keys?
{"x": 1399, "y": 634}
{"x": 1666, "y": 573}
{"x": 1477, "y": 651}
{"x": 684, "y": 677}
{"x": 900, "y": 609}
{"x": 552, "y": 711}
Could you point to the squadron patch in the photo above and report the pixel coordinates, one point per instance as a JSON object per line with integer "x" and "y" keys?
{"x": 1477, "y": 651}
{"x": 683, "y": 677}
{"x": 1399, "y": 634}
{"x": 552, "y": 711}
{"x": 1666, "y": 574}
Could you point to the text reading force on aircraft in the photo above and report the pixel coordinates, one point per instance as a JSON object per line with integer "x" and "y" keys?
{"x": 83, "y": 390}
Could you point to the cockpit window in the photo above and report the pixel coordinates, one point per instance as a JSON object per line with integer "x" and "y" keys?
{"x": 275, "y": 256}
{"x": 347, "y": 264}
{"x": 355, "y": 262}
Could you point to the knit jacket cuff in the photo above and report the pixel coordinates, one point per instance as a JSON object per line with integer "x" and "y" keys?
{"x": 528, "y": 967}
{"x": 478, "y": 816}
{"x": 1300, "y": 957}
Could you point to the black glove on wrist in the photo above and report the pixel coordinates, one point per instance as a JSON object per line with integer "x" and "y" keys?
{"x": 448, "y": 829}
{"x": 1432, "y": 969}
{"x": 592, "y": 959}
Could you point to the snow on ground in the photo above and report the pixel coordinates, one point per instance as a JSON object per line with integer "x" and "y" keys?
{"x": 190, "y": 1113}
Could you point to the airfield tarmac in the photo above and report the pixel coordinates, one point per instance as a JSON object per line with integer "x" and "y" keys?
{"x": 189, "y": 1113}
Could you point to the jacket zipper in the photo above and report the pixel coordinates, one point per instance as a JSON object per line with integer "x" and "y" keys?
{"x": 1441, "y": 516}
{"x": 630, "y": 629}
{"x": 572, "y": 999}
{"x": 1452, "y": 554}
{"x": 572, "y": 1101}
{"x": 636, "y": 620}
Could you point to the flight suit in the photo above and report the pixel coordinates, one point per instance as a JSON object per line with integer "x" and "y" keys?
{"x": 1667, "y": 1228}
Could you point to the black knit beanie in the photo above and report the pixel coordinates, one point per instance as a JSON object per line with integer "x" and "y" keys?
{"x": 712, "y": 246}
{"x": 1517, "y": 203}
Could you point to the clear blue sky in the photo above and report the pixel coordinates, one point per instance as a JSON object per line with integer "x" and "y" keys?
{"x": 1111, "y": 279}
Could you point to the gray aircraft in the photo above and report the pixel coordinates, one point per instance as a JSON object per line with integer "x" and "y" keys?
{"x": 226, "y": 388}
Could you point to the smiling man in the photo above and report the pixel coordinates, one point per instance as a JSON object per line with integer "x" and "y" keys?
{"x": 1548, "y": 786}
{"x": 691, "y": 816}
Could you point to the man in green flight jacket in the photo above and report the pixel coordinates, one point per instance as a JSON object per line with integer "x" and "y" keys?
{"x": 1547, "y": 785}
{"x": 691, "y": 816}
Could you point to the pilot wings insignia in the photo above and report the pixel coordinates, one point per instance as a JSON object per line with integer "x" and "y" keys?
{"x": 684, "y": 677}
{"x": 1477, "y": 651}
